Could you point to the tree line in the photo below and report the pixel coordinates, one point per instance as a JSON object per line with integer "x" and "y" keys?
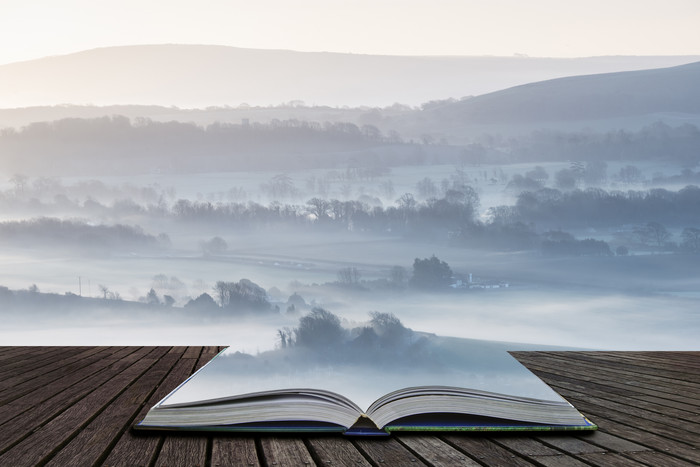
{"x": 597, "y": 207}
{"x": 118, "y": 144}
{"x": 52, "y": 232}
{"x": 450, "y": 218}
{"x": 658, "y": 141}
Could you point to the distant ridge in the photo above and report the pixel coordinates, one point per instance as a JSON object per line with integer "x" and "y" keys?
{"x": 602, "y": 96}
{"x": 197, "y": 76}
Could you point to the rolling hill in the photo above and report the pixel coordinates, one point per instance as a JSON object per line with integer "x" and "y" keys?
{"x": 672, "y": 90}
{"x": 197, "y": 76}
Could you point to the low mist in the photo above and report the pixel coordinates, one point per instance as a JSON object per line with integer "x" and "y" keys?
{"x": 126, "y": 229}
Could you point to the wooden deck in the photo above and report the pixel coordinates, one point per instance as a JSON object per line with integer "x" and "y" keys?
{"x": 75, "y": 405}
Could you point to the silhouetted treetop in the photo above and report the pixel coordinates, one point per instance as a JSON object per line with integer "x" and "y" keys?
{"x": 431, "y": 274}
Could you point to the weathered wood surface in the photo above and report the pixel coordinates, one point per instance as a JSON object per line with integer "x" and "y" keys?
{"x": 75, "y": 406}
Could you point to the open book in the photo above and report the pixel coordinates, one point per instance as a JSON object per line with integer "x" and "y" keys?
{"x": 435, "y": 383}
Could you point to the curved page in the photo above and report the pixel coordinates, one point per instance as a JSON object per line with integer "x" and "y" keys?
{"x": 364, "y": 375}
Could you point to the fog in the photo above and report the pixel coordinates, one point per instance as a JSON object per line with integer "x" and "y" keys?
{"x": 387, "y": 354}
{"x": 125, "y": 229}
{"x": 94, "y": 290}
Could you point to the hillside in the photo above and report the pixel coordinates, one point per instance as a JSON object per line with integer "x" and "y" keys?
{"x": 671, "y": 90}
{"x": 197, "y": 76}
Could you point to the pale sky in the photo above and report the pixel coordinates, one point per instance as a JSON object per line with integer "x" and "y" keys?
{"x": 556, "y": 28}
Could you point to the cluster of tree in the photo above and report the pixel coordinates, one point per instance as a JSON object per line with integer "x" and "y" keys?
{"x": 118, "y": 145}
{"x": 656, "y": 141}
{"x": 596, "y": 207}
{"x": 510, "y": 227}
{"x": 656, "y": 236}
{"x": 686, "y": 177}
{"x": 691, "y": 240}
{"x": 427, "y": 274}
{"x": 242, "y": 296}
{"x": 410, "y": 216}
{"x": 57, "y": 305}
{"x": 53, "y": 189}
{"x": 591, "y": 174}
{"x": 430, "y": 274}
{"x": 79, "y": 235}
{"x": 118, "y": 128}
{"x": 322, "y": 331}
{"x": 558, "y": 243}
{"x": 518, "y": 236}
{"x": 152, "y": 298}
{"x": 213, "y": 246}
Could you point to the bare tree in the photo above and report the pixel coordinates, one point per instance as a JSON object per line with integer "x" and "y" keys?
{"x": 349, "y": 276}
{"x": 319, "y": 208}
{"x": 691, "y": 239}
{"x": 653, "y": 233}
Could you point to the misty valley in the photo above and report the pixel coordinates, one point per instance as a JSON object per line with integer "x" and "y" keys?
{"x": 591, "y": 254}
{"x": 556, "y": 213}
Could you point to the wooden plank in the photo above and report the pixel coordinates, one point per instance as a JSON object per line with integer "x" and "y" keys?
{"x": 183, "y": 451}
{"x": 576, "y": 381}
{"x": 525, "y": 446}
{"x": 658, "y": 458}
{"x": 93, "y": 442}
{"x": 48, "y": 391}
{"x": 671, "y": 407}
{"x": 485, "y": 451}
{"x": 239, "y": 451}
{"x": 613, "y": 443}
{"x": 36, "y": 365}
{"x": 558, "y": 460}
{"x": 12, "y": 354}
{"x": 636, "y": 423}
{"x": 595, "y": 459}
{"x": 31, "y": 353}
{"x": 132, "y": 446}
{"x": 387, "y": 451}
{"x": 41, "y": 413}
{"x": 43, "y": 442}
{"x": 615, "y": 460}
{"x": 680, "y": 430}
{"x": 178, "y": 350}
{"x": 636, "y": 370}
{"x": 632, "y": 404}
{"x": 37, "y": 356}
{"x": 639, "y": 432}
{"x": 192, "y": 352}
{"x": 647, "y": 362}
{"x": 570, "y": 444}
{"x": 335, "y": 451}
{"x": 433, "y": 451}
{"x": 615, "y": 381}
{"x": 633, "y": 375}
{"x": 38, "y": 378}
{"x": 207, "y": 354}
{"x": 278, "y": 451}
{"x": 81, "y": 418}
{"x": 196, "y": 443}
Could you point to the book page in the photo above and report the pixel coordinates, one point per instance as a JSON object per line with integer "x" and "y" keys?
{"x": 362, "y": 374}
